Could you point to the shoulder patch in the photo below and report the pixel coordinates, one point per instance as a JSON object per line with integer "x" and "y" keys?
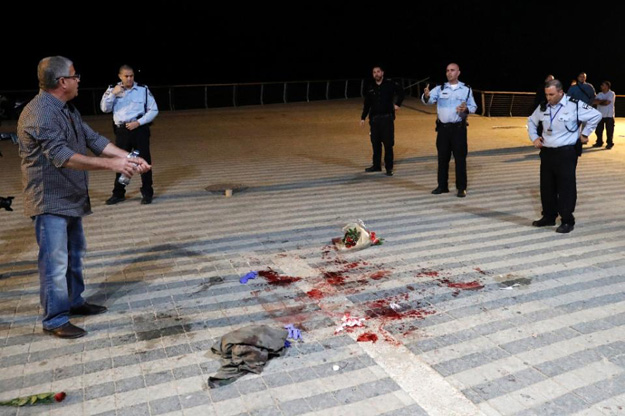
{"x": 585, "y": 106}
{"x": 573, "y": 100}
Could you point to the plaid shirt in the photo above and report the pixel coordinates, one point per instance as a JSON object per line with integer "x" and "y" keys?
{"x": 50, "y": 132}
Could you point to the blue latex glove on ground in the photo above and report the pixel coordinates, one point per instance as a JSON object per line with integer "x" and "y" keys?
{"x": 250, "y": 275}
{"x": 294, "y": 333}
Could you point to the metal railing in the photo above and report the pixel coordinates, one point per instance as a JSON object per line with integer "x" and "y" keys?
{"x": 196, "y": 96}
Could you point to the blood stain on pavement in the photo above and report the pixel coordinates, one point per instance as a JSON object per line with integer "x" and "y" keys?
{"x": 315, "y": 294}
{"x": 275, "y": 279}
{"x": 367, "y": 337}
{"x": 473, "y": 285}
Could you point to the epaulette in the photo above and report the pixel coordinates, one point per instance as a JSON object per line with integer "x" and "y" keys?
{"x": 575, "y": 100}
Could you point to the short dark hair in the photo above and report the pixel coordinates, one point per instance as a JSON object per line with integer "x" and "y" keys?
{"x": 608, "y": 83}
{"x": 378, "y": 66}
{"x": 125, "y": 68}
{"x": 554, "y": 83}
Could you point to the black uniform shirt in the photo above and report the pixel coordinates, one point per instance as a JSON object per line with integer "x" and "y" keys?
{"x": 380, "y": 99}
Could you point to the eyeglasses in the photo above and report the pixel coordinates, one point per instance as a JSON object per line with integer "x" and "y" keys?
{"x": 75, "y": 76}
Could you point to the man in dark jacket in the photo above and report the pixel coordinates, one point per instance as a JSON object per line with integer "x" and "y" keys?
{"x": 382, "y": 98}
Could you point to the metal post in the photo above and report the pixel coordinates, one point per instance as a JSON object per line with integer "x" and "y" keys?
{"x": 346, "y": 81}
{"x": 234, "y": 95}
{"x": 511, "y": 104}
{"x": 328, "y": 90}
{"x": 171, "y": 99}
{"x": 308, "y": 92}
{"x": 483, "y": 104}
{"x": 262, "y": 89}
{"x": 490, "y": 105}
{"x": 284, "y": 94}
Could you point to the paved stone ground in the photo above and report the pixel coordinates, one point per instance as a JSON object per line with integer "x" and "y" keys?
{"x": 541, "y": 332}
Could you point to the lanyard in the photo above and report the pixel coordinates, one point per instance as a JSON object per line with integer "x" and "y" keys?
{"x": 554, "y": 116}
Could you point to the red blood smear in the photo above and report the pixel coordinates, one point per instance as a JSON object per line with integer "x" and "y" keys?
{"x": 367, "y": 337}
{"x": 275, "y": 279}
{"x": 477, "y": 269}
{"x": 315, "y": 294}
{"x": 410, "y": 288}
{"x": 474, "y": 285}
{"x": 334, "y": 278}
{"x": 427, "y": 273}
{"x": 380, "y": 275}
{"x": 381, "y": 309}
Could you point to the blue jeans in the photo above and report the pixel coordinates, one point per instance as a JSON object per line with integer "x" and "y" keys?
{"x": 62, "y": 246}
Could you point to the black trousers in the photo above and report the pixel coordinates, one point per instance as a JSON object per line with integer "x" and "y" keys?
{"x": 558, "y": 187}
{"x": 382, "y": 133}
{"x": 608, "y": 122}
{"x": 138, "y": 139}
{"x": 452, "y": 139}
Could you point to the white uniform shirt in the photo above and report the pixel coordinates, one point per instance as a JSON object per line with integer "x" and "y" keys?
{"x": 607, "y": 111}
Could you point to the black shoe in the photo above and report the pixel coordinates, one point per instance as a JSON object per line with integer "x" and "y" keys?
{"x": 66, "y": 331}
{"x": 597, "y": 144}
{"x": 389, "y": 173}
{"x": 609, "y": 146}
{"x": 544, "y": 222}
{"x": 146, "y": 200}
{"x": 565, "y": 228}
{"x": 440, "y": 190}
{"x": 88, "y": 309}
{"x": 115, "y": 199}
{"x": 373, "y": 169}
{"x": 462, "y": 193}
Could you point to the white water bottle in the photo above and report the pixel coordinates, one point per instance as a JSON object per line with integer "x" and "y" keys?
{"x": 123, "y": 179}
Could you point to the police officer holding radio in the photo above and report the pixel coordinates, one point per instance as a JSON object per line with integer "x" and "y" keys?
{"x": 560, "y": 146}
{"x": 382, "y": 99}
{"x": 454, "y": 101}
{"x": 133, "y": 108}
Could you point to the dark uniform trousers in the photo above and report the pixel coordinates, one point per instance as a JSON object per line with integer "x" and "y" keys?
{"x": 382, "y": 133}
{"x": 608, "y": 122}
{"x": 558, "y": 188}
{"x": 128, "y": 140}
{"x": 452, "y": 139}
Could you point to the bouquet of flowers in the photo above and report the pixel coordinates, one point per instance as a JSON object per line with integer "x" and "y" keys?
{"x": 35, "y": 399}
{"x": 356, "y": 237}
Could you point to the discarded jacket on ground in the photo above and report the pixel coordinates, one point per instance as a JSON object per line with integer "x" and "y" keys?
{"x": 246, "y": 350}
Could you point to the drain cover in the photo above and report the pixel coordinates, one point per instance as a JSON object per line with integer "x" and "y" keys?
{"x": 223, "y": 188}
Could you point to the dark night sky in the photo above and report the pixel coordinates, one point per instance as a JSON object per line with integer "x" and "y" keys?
{"x": 503, "y": 47}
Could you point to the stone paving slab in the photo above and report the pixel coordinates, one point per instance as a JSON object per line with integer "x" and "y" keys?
{"x": 492, "y": 316}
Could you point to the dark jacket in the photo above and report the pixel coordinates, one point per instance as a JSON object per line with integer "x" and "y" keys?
{"x": 381, "y": 99}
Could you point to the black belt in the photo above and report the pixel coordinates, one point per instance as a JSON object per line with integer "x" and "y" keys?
{"x": 555, "y": 149}
{"x": 457, "y": 124}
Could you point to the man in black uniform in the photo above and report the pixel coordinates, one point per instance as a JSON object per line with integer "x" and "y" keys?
{"x": 382, "y": 99}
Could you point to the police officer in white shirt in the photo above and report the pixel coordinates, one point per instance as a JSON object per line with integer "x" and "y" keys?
{"x": 133, "y": 108}
{"x": 454, "y": 101}
{"x": 605, "y": 105}
{"x": 560, "y": 146}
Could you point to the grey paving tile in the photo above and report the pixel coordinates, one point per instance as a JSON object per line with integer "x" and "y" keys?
{"x": 178, "y": 350}
{"x": 541, "y": 340}
{"x": 413, "y": 410}
{"x": 284, "y": 378}
{"x": 349, "y": 395}
{"x": 267, "y": 411}
{"x": 152, "y": 355}
{"x": 164, "y": 405}
{"x": 252, "y": 385}
{"x": 136, "y": 410}
{"x": 187, "y": 371}
{"x": 158, "y": 378}
{"x": 229, "y": 391}
{"x": 379, "y": 387}
{"x": 447, "y": 368}
{"x": 99, "y": 365}
{"x": 199, "y": 398}
{"x": 563, "y": 405}
{"x": 99, "y": 390}
{"x": 512, "y": 382}
{"x": 129, "y": 384}
{"x": 109, "y": 413}
{"x": 124, "y": 360}
{"x": 322, "y": 401}
{"x": 295, "y": 407}
{"x": 603, "y": 389}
